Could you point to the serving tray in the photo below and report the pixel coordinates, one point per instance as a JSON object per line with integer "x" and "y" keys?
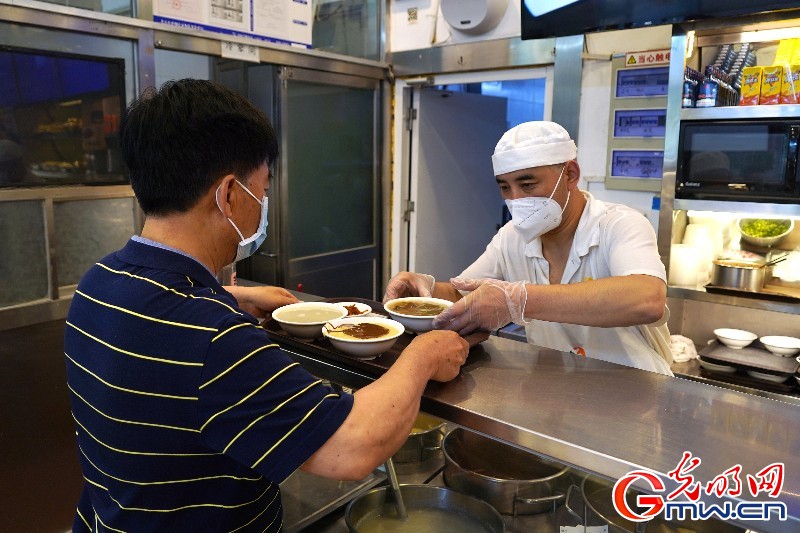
{"x": 753, "y": 357}
{"x": 379, "y": 365}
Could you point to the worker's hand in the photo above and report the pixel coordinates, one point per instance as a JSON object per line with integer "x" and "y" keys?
{"x": 491, "y": 304}
{"x": 446, "y": 351}
{"x": 408, "y": 284}
{"x": 260, "y": 301}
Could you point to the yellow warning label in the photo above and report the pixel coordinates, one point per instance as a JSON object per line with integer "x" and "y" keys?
{"x": 631, "y": 60}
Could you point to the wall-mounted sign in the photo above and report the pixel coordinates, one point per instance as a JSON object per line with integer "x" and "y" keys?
{"x": 640, "y": 122}
{"x": 646, "y": 59}
{"x": 278, "y": 21}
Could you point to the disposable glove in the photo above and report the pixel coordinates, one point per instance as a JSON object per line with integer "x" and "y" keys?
{"x": 491, "y": 304}
{"x": 408, "y": 284}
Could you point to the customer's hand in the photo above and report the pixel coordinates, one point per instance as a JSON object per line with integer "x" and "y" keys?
{"x": 445, "y": 350}
{"x": 260, "y": 301}
{"x": 491, "y": 304}
{"x": 408, "y": 284}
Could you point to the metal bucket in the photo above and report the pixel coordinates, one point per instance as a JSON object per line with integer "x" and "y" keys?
{"x": 598, "y": 511}
{"x": 430, "y": 509}
{"x": 513, "y": 481}
{"x": 423, "y": 442}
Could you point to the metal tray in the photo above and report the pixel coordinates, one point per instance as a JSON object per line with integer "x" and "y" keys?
{"x": 376, "y": 366}
{"x": 307, "y": 498}
{"x": 753, "y": 357}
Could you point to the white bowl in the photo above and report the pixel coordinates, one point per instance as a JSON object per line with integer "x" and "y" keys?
{"x": 735, "y": 338}
{"x": 779, "y": 345}
{"x": 708, "y": 365}
{"x": 764, "y": 241}
{"x": 364, "y": 348}
{"x": 361, "y": 309}
{"x": 774, "y": 378}
{"x": 304, "y": 320}
{"x": 412, "y": 322}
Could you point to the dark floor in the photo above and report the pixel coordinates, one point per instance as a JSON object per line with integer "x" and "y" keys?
{"x": 40, "y": 478}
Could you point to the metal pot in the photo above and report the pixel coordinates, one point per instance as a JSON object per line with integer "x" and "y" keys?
{"x": 429, "y": 508}
{"x": 424, "y": 440}
{"x": 513, "y": 481}
{"x": 598, "y": 511}
{"x": 740, "y": 275}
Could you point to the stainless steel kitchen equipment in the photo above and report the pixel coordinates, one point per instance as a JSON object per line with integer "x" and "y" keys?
{"x": 430, "y": 509}
{"x": 513, "y": 481}
{"x": 598, "y": 511}
{"x": 739, "y": 275}
{"x": 423, "y": 442}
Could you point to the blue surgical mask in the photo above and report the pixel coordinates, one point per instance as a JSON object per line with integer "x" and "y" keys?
{"x": 248, "y": 246}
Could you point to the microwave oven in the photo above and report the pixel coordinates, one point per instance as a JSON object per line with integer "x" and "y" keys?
{"x": 739, "y": 160}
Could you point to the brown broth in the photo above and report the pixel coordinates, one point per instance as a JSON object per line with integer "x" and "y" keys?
{"x": 362, "y": 331}
{"x": 417, "y": 308}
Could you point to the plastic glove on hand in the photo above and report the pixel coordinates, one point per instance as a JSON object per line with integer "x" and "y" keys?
{"x": 491, "y": 304}
{"x": 408, "y": 284}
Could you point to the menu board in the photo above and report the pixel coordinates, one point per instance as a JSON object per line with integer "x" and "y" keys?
{"x": 640, "y": 82}
{"x": 279, "y": 21}
{"x": 640, "y": 122}
{"x": 637, "y": 163}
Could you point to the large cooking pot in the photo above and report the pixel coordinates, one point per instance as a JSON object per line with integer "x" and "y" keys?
{"x": 740, "y": 275}
{"x": 430, "y": 509}
{"x": 513, "y": 481}
{"x": 598, "y": 510}
{"x": 424, "y": 440}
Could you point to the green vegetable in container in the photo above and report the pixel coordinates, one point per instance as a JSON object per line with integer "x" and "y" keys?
{"x": 760, "y": 227}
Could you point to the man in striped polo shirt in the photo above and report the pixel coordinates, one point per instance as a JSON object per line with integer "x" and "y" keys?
{"x": 187, "y": 415}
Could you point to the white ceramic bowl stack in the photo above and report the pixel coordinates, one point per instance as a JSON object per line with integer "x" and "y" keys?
{"x": 735, "y": 338}
{"x": 364, "y": 348}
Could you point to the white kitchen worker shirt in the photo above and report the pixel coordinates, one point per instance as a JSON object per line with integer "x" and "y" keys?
{"x": 611, "y": 240}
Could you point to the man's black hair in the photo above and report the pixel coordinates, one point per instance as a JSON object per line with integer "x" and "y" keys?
{"x": 180, "y": 140}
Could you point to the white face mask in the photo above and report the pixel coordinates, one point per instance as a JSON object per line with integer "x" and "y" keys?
{"x": 534, "y": 216}
{"x": 248, "y": 246}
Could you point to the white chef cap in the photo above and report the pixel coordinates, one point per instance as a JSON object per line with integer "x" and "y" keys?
{"x": 532, "y": 144}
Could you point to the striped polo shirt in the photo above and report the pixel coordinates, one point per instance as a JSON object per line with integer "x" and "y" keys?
{"x": 187, "y": 415}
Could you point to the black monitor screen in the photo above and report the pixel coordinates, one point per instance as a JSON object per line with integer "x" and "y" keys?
{"x": 35, "y": 76}
{"x": 59, "y": 118}
{"x": 558, "y": 18}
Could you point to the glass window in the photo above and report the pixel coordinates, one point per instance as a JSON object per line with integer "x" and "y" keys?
{"x": 23, "y": 261}
{"x": 88, "y": 230}
{"x": 116, "y": 7}
{"x": 348, "y": 27}
{"x": 331, "y": 173}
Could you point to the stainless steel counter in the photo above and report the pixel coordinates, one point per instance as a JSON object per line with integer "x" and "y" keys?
{"x": 610, "y": 419}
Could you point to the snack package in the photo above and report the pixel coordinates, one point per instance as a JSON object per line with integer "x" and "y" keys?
{"x": 751, "y": 86}
{"x": 771, "y": 79}
{"x": 790, "y": 85}
{"x": 783, "y": 56}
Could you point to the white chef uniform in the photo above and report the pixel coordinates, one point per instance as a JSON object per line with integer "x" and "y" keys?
{"x": 611, "y": 240}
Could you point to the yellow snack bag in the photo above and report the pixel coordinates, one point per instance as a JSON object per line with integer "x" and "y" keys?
{"x": 783, "y": 56}
{"x": 751, "y": 86}
{"x": 771, "y": 79}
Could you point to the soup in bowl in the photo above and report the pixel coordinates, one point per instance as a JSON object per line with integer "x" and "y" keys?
{"x": 304, "y": 320}
{"x": 416, "y": 313}
{"x": 363, "y": 337}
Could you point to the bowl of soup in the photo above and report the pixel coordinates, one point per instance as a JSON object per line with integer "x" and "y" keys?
{"x": 416, "y": 313}
{"x": 304, "y": 320}
{"x": 363, "y": 337}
